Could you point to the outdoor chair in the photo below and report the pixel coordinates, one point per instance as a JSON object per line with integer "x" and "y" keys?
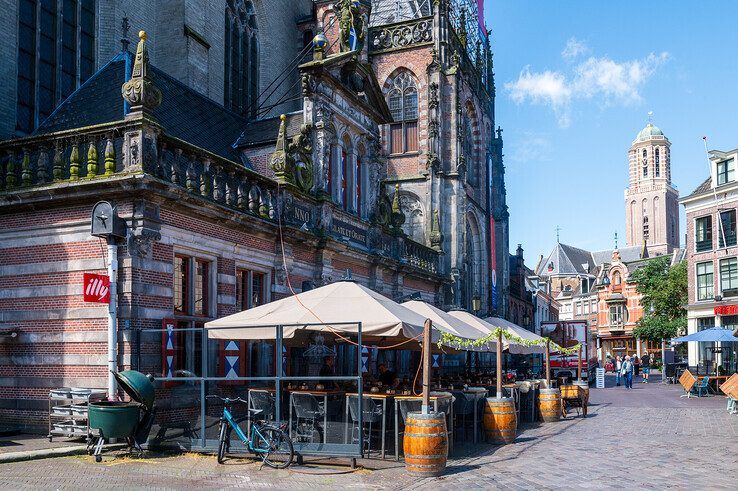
{"x": 702, "y": 387}
{"x": 309, "y": 413}
{"x": 372, "y": 417}
{"x": 732, "y": 405}
{"x": 406, "y": 406}
{"x": 463, "y": 410}
{"x": 445, "y": 406}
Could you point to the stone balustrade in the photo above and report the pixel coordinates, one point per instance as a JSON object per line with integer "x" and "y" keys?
{"x": 85, "y": 156}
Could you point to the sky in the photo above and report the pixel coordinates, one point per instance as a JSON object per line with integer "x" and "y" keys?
{"x": 575, "y": 83}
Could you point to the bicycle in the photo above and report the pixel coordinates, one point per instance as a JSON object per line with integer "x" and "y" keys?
{"x": 267, "y": 440}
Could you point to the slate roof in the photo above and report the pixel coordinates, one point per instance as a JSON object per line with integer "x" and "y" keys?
{"x": 702, "y": 188}
{"x": 567, "y": 260}
{"x": 264, "y": 131}
{"x": 184, "y": 113}
{"x": 627, "y": 255}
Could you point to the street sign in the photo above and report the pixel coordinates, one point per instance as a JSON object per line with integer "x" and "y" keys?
{"x": 600, "y": 378}
{"x": 96, "y": 288}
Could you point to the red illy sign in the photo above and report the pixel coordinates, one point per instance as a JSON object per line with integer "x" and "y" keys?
{"x": 96, "y": 288}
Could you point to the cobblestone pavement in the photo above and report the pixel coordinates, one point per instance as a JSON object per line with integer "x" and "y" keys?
{"x": 644, "y": 438}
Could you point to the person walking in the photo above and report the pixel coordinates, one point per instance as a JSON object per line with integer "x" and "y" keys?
{"x": 628, "y": 372}
{"x": 646, "y": 366}
{"x": 618, "y": 370}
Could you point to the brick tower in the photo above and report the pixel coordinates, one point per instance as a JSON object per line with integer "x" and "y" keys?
{"x": 651, "y": 202}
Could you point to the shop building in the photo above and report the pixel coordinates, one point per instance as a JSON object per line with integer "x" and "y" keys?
{"x": 712, "y": 258}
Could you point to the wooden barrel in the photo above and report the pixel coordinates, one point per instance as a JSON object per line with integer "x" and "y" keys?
{"x": 549, "y": 405}
{"x": 425, "y": 444}
{"x": 500, "y": 420}
{"x": 584, "y": 386}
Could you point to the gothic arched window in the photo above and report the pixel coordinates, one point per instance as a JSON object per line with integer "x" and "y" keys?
{"x": 470, "y": 155}
{"x": 645, "y": 228}
{"x": 657, "y": 162}
{"x": 241, "y": 78}
{"x": 644, "y": 163}
{"x": 402, "y": 100}
{"x": 56, "y": 54}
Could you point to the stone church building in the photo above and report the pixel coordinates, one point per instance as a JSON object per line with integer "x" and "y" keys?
{"x": 253, "y": 149}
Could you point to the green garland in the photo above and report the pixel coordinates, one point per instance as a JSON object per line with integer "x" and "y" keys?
{"x": 461, "y": 343}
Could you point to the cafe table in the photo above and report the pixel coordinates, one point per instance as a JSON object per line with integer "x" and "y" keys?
{"x": 316, "y": 393}
{"x": 377, "y": 396}
{"x": 434, "y": 399}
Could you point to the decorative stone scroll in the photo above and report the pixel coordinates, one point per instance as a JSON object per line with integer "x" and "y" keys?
{"x": 418, "y": 31}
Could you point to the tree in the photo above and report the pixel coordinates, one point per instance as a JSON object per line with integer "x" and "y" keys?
{"x": 663, "y": 290}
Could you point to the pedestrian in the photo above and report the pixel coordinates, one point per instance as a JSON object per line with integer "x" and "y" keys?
{"x": 636, "y": 363}
{"x": 618, "y": 369}
{"x": 646, "y": 365}
{"x": 628, "y": 372}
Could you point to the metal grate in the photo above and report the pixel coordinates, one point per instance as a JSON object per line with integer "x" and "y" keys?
{"x": 391, "y": 11}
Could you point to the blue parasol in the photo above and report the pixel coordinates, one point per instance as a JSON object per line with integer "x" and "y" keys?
{"x": 711, "y": 335}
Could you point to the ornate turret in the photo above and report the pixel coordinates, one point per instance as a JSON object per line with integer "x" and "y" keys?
{"x": 139, "y": 91}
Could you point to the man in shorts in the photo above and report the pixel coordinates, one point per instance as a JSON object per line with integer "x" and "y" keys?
{"x": 645, "y": 366}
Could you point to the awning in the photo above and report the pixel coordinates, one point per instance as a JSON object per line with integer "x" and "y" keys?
{"x": 341, "y": 302}
{"x": 514, "y": 347}
{"x": 446, "y": 322}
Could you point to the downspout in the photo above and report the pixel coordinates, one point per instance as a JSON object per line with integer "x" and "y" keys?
{"x": 112, "y": 318}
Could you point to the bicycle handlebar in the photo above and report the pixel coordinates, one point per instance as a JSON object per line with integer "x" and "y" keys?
{"x": 226, "y": 399}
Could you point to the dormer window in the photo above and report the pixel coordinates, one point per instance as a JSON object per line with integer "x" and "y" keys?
{"x": 725, "y": 171}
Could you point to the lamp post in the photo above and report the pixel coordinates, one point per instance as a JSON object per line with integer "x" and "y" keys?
{"x": 476, "y": 304}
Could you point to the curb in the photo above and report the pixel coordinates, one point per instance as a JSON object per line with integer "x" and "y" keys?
{"x": 48, "y": 453}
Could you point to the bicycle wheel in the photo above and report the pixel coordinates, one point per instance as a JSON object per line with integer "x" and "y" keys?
{"x": 275, "y": 447}
{"x": 222, "y": 442}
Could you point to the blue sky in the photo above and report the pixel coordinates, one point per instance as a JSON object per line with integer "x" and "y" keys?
{"x": 575, "y": 81}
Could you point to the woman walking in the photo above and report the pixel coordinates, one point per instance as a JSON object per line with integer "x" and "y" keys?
{"x": 628, "y": 372}
{"x": 618, "y": 370}
{"x": 646, "y": 365}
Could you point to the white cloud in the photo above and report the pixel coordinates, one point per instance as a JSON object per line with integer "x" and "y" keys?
{"x": 603, "y": 80}
{"x": 574, "y": 48}
{"x": 530, "y": 148}
{"x": 615, "y": 81}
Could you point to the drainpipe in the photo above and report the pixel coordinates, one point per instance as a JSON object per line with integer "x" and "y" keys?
{"x": 112, "y": 318}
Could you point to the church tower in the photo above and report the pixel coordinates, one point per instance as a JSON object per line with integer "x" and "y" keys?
{"x": 651, "y": 202}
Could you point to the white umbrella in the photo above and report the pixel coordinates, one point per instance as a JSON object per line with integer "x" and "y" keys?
{"x": 446, "y": 322}
{"x": 513, "y": 346}
{"x": 341, "y": 302}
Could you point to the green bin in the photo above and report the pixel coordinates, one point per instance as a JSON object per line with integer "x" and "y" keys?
{"x": 114, "y": 419}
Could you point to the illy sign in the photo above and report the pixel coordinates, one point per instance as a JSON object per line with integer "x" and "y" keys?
{"x": 96, "y": 288}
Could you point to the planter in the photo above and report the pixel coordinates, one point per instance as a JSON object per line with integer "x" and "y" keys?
{"x": 549, "y": 405}
{"x": 425, "y": 444}
{"x": 500, "y": 420}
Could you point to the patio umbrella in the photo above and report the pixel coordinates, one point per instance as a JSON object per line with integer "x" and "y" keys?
{"x": 514, "y": 347}
{"x": 446, "y": 322}
{"x": 340, "y": 302}
{"x": 711, "y": 335}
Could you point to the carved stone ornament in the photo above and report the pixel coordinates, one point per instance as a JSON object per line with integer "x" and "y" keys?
{"x": 351, "y": 25}
{"x": 436, "y": 238}
{"x": 403, "y": 35}
{"x": 139, "y": 91}
{"x": 141, "y": 242}
{"x": 292, "y": 161}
